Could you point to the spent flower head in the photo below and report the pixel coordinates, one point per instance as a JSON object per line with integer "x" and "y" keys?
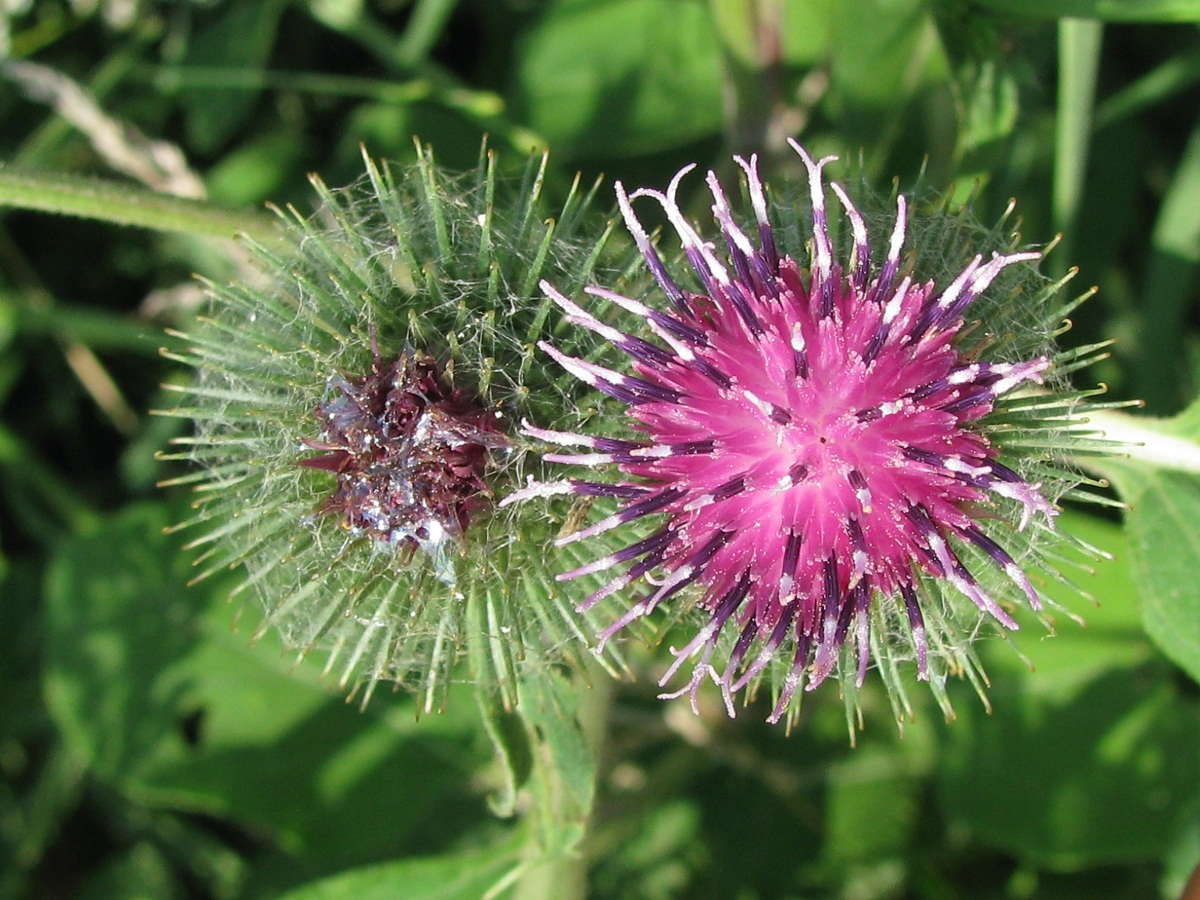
{"x": 355, "y": 404}
{"x": 842, "y": 459}
{"x": 411, "y": 457}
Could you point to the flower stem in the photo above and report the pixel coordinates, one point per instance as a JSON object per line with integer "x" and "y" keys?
{"x": 122, "y": 204}
{"x": 552, "y": 869}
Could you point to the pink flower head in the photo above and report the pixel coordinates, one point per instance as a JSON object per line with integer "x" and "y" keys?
{"x": 812, "y": 444}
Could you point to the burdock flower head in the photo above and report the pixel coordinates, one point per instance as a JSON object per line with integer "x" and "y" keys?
{"x": 411, "y": 457}
{"x": 842, "y": 460}
{"x": 356, "y": 407}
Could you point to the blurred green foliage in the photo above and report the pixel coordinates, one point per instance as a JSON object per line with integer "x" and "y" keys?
{"x": 148, "y": 751}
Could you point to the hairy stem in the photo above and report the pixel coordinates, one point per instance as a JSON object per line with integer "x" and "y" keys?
{"x": 563, "y": 874}
{"x": 121, "y": 204}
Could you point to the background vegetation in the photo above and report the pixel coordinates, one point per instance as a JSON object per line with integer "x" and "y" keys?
{"x": 147, "y": 750}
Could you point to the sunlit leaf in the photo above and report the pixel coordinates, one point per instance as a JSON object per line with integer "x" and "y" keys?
{"x": 586, "y": 90}
{"x": 1093, "y": 725}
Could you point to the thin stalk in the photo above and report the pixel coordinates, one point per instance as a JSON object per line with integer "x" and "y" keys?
{"x": 122, "y": 204}
{"x": 1079, "y": 44}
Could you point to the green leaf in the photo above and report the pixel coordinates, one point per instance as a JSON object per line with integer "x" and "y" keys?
{"x": 1094, "y": 724}
{"x": 1169, "y": 288}
{"x": 240, "y": 38}
{"x": 881, "y": 51}
{"x": 627, "y": 76}
{"x": 883, "y": 54}
{"x": 550, "y": 705}
{"x": 872, "y": 806}
{"x": 511, "y": 745}
{"x": 989, "y": 87}
{"x": 1108, "y": 10}
{"x": 141, "y": 873}
{"x": 563, "y": 780}
{"x": 335, "y": 785}
{"x": 989, "y": 108}
{"x": 118, "y": 614}
{"x": 1165, "y": 553}
{"x": 460, "y": 876}
{"x": 1183, "y": 857}
{"x": 1170, "y": 77}
{"x": 256, "y": 170}
{"x": 1160, "y": 481}
{"x": 161, "y": 698}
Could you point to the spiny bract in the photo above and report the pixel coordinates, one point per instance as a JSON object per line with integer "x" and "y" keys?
{"x": 356, "y": 403}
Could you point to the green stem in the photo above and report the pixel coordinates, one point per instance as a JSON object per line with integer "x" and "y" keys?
{"x": 1143, "y": 440}
{"x": 563, "y": 875}
{"x": 122, "y": 204}
{"x": 1079, "y": 43}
